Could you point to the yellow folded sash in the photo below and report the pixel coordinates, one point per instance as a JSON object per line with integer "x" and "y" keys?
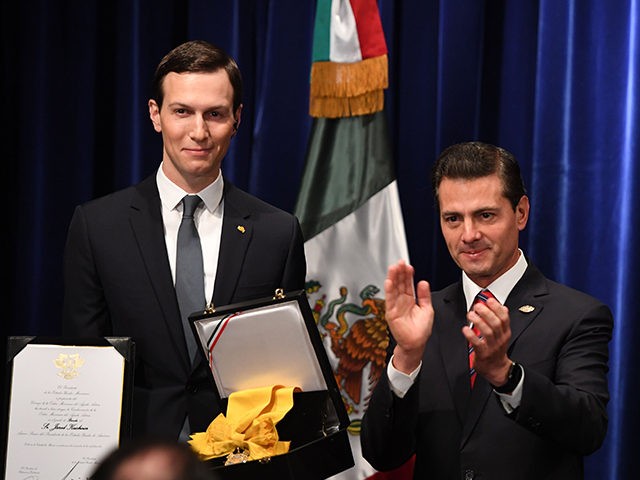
{"x": 250, "y": 425}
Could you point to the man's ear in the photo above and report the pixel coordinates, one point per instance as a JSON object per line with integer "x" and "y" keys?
{"x": 522, "y": 212}
{"x": 237, "y": 115}
{"x": 154, "y": 115}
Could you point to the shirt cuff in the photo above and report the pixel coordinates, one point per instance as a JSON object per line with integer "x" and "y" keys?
{"x": 511, "y": 401}
{"x": 400, "y": 382}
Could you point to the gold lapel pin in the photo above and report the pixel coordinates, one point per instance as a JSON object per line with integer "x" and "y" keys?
{"x": 527, "y": 308}
{"x": 241, "y": 228}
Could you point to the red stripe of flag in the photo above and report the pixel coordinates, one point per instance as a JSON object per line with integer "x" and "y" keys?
{"x": 369, "y": 26}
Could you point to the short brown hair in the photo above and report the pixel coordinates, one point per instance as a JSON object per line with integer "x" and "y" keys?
{"x": 197, "y": 56}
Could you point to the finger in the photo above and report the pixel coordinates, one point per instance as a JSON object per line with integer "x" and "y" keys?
{"x": 424, "y": 294}
{"x": 478, "y": 318}
{"x": 470, "y": 335}
{"x": 488, "y": 318}
{"x": 496, "y": 316}
{"x": 390, "y": 293}
{"x": 398, "y": 287}
{"x": 395, "y": 277}
{"x": 405, "y": 278}
{"x": 500, "y": 311}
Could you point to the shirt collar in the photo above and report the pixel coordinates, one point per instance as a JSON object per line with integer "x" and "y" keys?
{"x": 501, "y": 287}
{"x": 171, "y": 194}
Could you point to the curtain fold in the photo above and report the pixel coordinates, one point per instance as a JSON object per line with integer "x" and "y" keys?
{"x": 557, "y": 83}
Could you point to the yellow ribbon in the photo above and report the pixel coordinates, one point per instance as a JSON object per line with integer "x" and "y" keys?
{"x": 250, "y": 424}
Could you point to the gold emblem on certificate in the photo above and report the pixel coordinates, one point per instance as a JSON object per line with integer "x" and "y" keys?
{"x": 69, "y": 365}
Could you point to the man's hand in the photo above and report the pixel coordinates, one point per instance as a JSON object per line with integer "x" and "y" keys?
{"x": 410, "y": 323}
{"x": 492, "y": 320}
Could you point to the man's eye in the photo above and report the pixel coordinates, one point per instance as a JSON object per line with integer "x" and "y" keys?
{"x": 451, "y": 218}
{"x": 487, "y": 215}
{"x": 214, "y": 114}
{"x": 180, "y": 111}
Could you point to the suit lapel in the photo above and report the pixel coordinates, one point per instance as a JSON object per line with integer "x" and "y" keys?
{"x": 525, "y": 301}
{"x": 148, "y": 229}
{"x": 453, "y": 348}
{"x": 237, "y": 230}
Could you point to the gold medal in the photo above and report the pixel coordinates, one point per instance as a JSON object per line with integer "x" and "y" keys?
{"x": 239, "y": 455}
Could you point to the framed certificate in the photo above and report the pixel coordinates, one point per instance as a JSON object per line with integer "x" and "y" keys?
{"x": 67, "y": 405}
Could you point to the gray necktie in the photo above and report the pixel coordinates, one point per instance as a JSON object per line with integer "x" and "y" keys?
{"x": 189, "y": 270}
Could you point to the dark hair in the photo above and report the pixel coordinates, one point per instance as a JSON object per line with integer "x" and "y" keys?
{"x": 185, "y": 462}
{"x": 476, "y": 159}
{"x": 197, "y": 56}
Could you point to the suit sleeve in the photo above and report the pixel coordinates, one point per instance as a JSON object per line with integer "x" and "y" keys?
{"x": 570, "y": 409}
{"x": 295, "y": 268}
{"x": 85, "y": 312}
{"x": 387, "y": 434}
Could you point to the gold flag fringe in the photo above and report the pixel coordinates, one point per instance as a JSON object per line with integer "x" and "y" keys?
{"x": 348, "y": 89}
{"x": 334, "y": 107}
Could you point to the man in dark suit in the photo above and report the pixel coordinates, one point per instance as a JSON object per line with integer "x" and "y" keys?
{"x": 120, "y": 257}
{"x": 513, "y": 386}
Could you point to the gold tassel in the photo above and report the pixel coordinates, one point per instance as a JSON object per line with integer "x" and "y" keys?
{"x": 348, "y": 89}
{"x": 334, "y": 107}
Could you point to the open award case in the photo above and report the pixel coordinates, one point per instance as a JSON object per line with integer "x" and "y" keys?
{"x": 275, "y": 341}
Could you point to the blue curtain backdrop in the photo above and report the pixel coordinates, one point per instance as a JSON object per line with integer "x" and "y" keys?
{"x": 557, "y": 82}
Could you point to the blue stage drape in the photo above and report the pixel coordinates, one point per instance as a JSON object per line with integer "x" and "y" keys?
{"x": 557, "y": 82}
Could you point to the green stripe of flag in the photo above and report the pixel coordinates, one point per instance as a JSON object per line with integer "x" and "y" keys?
{"x": 348, "y": 161}
{"x": 321, "y": 32}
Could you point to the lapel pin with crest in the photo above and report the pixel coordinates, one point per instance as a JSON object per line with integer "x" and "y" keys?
{"x": 241, "y": 228}
{"x": 527, "y": 308}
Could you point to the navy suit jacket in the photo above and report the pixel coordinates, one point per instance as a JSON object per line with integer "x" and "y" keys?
{"x": 455, "y": 432}
{"x": 118, "y": 282}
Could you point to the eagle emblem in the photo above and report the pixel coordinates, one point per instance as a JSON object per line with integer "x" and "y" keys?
{"x": 356, "y": 335}
{"x": 69, "y": 365}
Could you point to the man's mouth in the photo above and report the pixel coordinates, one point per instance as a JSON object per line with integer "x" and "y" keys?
{"x": 198, "y": 152}
{"x": 474, "y": 253}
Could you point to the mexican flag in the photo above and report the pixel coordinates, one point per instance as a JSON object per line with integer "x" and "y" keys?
{"x": 349, "y": 206}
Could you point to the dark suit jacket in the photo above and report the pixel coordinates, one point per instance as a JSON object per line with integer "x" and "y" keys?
{"x": 118, "y": 282}
{"x": 455, "y": 433}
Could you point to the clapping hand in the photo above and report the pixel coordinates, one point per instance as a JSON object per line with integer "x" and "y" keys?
{"x": 410, "y": 322}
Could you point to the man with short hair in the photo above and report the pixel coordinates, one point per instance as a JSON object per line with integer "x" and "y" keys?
{"x": 121, "y": 253}
{"x": 503, "y": 374}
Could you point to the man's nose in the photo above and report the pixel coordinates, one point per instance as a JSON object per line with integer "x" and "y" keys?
{"x": 470, "y": 231}
{"x": 199, "y": 130}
